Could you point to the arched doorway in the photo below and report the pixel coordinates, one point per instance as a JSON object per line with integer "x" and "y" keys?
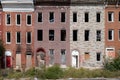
{"x": 75, "y": 59}
{"x": 8, "y": 59}
{"x": 40, "y": 57}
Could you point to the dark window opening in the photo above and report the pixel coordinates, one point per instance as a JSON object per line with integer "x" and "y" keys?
{"x": 63, "y": 17}
{"x": 63, "y": 35}
{"x": 40, "y": 35}
{"x": 51, "y": 35}
{"x": 8, "y": 18}
{"x": 119, "y": 16}
{"x": 110, "y": 16}
{"x": 51, "y": 16}
{"x": 86, "y": 17}
{"x": 98, "y": 17}
{"x": 75, "y": 35}
{"x": 86, "y": 35}
{"x": 98, "y": 35}
{"x": 8, "y": 37}
{"x": 28, "y": 37}
{"x": 18, "y": 19}
{"x": 40, "y": 17}
{"x": 74, "y": 17}
{"x": 110, "y": 35}
{"x": 18, "y": 37}
{"x": 29, "y": 19}
{"x": 98, "y": 56}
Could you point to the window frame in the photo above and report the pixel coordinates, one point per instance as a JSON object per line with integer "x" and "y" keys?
{"x": 7, "y": 37}
{"x": 41, "y": 19}
{"x": 17, "y": 19}
{"x": 50, "y": 19}
{"x": 27, "y": 19}
{"x": 112, "y": 16}
{"x": 52, "y": 35}
{"x": 41, "y": 31}
{"x": 27, "y": 37}
{"x": 88, "y": 37}
{"x": 75, "y": 15}
{"x": 17, "y": 39}
{"x": 75, "y": 38}
{"x": 98, "y": 17}
{"x": 61, "y": 32}
{"x": 98, "y": 36}
{"x": 86, "y": 14}
{"x": 63, "y": 18}
{"x": 6, "y": 19}
{"x": 112, "y": 35}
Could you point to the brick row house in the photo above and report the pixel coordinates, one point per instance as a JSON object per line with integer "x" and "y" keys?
{"x": 77, "y": 33}
{"x": 18, "y": 30}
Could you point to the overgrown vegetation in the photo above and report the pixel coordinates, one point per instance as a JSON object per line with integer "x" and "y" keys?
{"x": 55, "y": 72}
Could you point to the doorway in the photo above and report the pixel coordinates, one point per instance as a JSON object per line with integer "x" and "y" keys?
{"x": 75, "y": 59}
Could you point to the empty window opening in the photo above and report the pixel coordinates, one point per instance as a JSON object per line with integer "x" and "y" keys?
{"x": 51, "y": 35}
{"x": 18, "y": 19}
{"x": 18, "y": 35}
{"x": 29, "y": 19}
{"x": 86, "y": 35}
{"x": 110, "y": 34}
{"x": 63, "y": 58}
{"x": 51, "y": 16}
{"x": 98, "y": 56}
{"x": 8, "y": 37}
{"x": 28, "y": 37}
{"x": 63, "y": 17}
{"x": 63, "y": 35}
{"x": 98, "y": 35}
{"x": 40, "y": 17}
{"x": 86, "y": 17}
{"x": 98, "y": 17}
{"x": 119, "y": 34}
{"x": 75, "y": 35}
{"x": 74, "y": 17}
{"x": 8, "y": 18}
{"x": 40, "y": 35}
{"x": 110, "y": 16}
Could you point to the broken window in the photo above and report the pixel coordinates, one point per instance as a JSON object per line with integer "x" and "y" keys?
{"x": 40, "y": 35}
{"x": 51, "y": 53}
{"x": 98, "y": 56}
{"x": 18, "y": 22}
{"x": 8, "y": 19}
{"x": 63, "y": 58}
{"x": 86, "y": 35}
{"x": 110, "y": 16}
{"x": 75, "y": 35}
{"x": 40, "y": 17}
{"x": 18, "y": 37}
{"x": 110, "y": 34}
{"x": 74, "y": 17}
{"x": 8, "y": 37}
{"x": 98, "y": 35}
{"x": 86, "y": 55}
{"x": 63, "y": 35}
{"x": 86, "y": 17}
{"x": 29, "y": 21}
{"x": 51, "y": 16}
{"x": 29, "y": 38}
{"x": 97, "y": 17}
{"x": 62, "y": 16}
{"x": 51, "y": 35}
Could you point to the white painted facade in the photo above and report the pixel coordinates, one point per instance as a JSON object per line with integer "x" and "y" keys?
{"x": 92, "y": 46}
{"x": 17, "y": 5}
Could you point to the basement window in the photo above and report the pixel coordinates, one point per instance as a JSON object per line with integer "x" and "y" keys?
{"x": 63, "y": 35}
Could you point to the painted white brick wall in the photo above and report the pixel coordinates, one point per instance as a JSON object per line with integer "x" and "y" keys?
{"x": 92, "y": 46}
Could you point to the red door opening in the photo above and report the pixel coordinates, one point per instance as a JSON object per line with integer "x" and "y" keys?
{"x": 8, "y": 61}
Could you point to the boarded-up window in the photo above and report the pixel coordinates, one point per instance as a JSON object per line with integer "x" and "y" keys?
{"x": 87, "y": 55}
{"x": 18, "y": 59}
{"x": 28, "y": 59}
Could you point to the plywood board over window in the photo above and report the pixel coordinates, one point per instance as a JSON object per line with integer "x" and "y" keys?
{"x": 87, "y": 55}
